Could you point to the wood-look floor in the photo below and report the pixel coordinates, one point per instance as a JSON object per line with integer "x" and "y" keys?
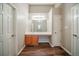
{"x": 44, "y": 49}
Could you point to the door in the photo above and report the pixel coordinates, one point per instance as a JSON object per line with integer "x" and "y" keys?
{"x": 75, "y": 29}
{"x": 9, "y": 30}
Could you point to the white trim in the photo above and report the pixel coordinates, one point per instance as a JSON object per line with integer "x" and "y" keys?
{"x": 66, "y": 50}
{"x": 50, "y": 44}
{"x": 21, "y": 50}
{"x": 72, "y": 41}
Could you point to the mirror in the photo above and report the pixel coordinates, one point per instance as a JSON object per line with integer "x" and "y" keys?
{"x": 39, "y": 22}
{"x": 39, "y": 26}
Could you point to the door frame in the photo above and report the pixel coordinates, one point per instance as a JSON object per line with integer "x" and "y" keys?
{"x": 14, "y": 25}
{"x": 73, "y": 42}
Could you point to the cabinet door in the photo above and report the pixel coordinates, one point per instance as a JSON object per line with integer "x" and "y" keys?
{"x": 31, "y": 40}
{"x": 28, "y": 40}
{"x": 35, "y": 40}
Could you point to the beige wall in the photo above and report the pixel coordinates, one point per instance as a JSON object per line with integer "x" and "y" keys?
{"x": 66, "y": 26}
{"x": 39, "y": 8}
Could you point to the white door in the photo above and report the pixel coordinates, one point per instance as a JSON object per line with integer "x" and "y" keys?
{"x": 75, "y": 28}
{"x": 8, "y": 18}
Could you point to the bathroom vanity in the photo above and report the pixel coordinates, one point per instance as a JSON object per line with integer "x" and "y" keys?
{"x": 39, "y": 24}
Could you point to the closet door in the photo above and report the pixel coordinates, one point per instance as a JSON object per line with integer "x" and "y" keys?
{"x": 8, "y": 27}
{"x": 75, "y": 29}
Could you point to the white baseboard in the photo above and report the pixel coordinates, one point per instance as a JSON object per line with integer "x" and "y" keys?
{"x": 50, "y": 44}
{"x": 21, "y": 50}
{"x": 66, "y": 50}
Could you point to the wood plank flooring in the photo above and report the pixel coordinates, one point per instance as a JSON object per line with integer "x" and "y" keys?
{"x": 44, "y": 49}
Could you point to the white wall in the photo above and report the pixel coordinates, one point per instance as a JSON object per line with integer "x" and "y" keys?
{"x": 56, "y": 30}
{"x": 66, "y": 26}
{"x": 56, "y": 27}
{"x": 21, "y": 19}
{"x": 49, "y": 20}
